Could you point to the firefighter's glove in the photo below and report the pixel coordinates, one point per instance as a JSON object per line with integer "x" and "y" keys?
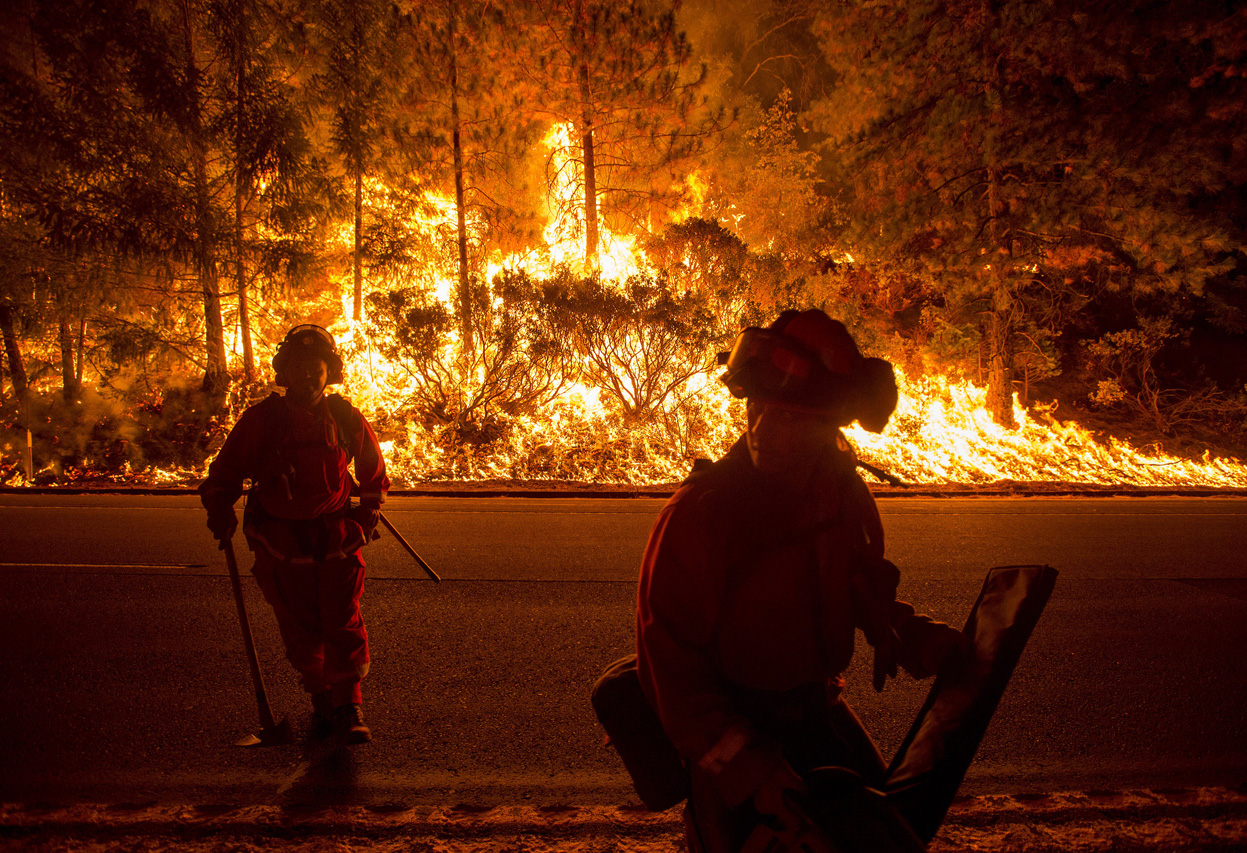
{"x": 780, "y": 795}
{"x": 222, "y": 521}
{"x": 927, "y": 647}
{"x": 367, "y": 518}
{"x": 941, "y": 646}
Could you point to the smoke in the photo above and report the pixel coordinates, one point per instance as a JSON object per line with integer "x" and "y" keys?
{"x": 107, "y": 435}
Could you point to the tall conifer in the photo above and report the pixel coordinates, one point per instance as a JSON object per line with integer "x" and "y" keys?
{"x": 1009, "y": 149}
{"x": 624, "y": 76}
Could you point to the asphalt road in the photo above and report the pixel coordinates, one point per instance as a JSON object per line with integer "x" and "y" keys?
{"x": 124, "y": 680}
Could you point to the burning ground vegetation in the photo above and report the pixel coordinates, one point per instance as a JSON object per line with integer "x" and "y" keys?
{"x": 548, "y": 372}
{"x": 601, "y": 379}
{"x": 573, "y": 381}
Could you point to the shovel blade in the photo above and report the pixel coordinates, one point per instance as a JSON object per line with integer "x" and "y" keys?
{"x": 279, "y": 734}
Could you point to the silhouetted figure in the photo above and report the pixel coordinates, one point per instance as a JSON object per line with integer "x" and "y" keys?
{"x": 297, "y": 451}
{"x": 757, "y": 573}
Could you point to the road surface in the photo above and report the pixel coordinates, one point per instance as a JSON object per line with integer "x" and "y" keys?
{"x": 124, "y": 679}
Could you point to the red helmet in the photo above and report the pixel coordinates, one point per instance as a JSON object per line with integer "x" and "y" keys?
{"x": 807, "y": 360}
{"x": 311, "y": 340}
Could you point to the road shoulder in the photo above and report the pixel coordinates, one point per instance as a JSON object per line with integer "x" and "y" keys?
{"x": 1197, "y": 819}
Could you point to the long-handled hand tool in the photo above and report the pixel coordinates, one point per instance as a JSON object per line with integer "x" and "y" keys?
{"x": 272, "y": 733}
{"x": 428, "y": 570}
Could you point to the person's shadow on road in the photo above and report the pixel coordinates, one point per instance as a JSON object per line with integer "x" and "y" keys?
{"x": 327, "y": 775}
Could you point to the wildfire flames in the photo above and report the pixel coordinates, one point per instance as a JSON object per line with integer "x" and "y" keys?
{"x": 940, "y": 434}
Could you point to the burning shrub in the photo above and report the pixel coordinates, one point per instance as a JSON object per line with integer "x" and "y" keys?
{"x": 520, "y": 363}
{"x": 743, "y": 287}
{"x": 641, "y": 343}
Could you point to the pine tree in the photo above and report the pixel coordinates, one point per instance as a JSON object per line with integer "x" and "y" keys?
{"x": 261, "y": 132}
{"x": 468, "y": 119}
{"x": 361, "y": 55}
{"x": 1002, "y": 148}
{"x": 623, "y": 75}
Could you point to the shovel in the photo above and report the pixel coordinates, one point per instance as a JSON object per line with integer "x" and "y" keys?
{"x": 428, "y": 570}
{"x": 272, "y": 733}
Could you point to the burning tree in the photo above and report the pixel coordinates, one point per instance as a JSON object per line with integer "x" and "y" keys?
{"x": 472, "y": 131}
{"x": 624, "y": 78}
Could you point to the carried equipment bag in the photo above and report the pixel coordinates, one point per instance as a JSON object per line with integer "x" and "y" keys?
{"x": 633, "y": 728}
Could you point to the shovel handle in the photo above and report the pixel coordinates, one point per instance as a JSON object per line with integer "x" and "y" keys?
{"x": 261, "y": 696}
{"x": 428, "y": 570}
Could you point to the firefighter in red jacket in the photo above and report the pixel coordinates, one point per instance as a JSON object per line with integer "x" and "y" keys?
{"x": 757, "y": 574}
{"x": 297, "y": 449}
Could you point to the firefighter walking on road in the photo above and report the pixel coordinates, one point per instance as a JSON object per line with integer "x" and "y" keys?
{"x": 299, "y": 520}
{"x": 758, "y": 572}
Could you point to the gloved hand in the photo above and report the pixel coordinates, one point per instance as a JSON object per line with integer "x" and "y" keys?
{"x": 367, "y": 518}
{"x": 935, "y": 646}
{"x": 948, "y": 647}
{"x": 779, "y": 793}
{"x": 222, "y": 521}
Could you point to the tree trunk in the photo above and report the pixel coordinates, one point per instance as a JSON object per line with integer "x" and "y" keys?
{"x": 244, "y": 299}
{"x": 357, "y": 311}
{"x": 240, "y": 270}
{"x": 69, "y": 387}
{"x": 591, "y": 203}
{"x": 1000, "y": 329}
{"x": 1000, "y": 325}
{"x": 355, "y": 159}
{"x": 1000, "y": 364}
{"x": 465, "y": 294}
{"x": 216, "y": 372}
{"x": 13, "y": 349}
{"x": 586, "y": 139}
{"x": 82, "y": 348}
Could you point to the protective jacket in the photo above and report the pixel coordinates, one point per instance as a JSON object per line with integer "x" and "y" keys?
{"x": 747, "y": 590}
{"x": 299, "y": 462}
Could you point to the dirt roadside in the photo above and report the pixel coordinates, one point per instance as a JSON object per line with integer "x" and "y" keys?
{"x": 1200, "y": 820}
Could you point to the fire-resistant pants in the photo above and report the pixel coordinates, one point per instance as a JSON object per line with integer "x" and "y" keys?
{"x": 317, "y": 610}
{"x": 814, "y": 727}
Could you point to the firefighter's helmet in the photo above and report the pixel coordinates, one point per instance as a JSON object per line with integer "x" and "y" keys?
{"x": 308, "y": 339}
{"x": 806, "y": 360}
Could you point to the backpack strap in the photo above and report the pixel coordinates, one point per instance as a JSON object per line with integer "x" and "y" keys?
{"x": 348, "y": 421}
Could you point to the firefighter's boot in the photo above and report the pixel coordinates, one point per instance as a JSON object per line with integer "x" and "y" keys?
{"x": 351, "y": 725}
